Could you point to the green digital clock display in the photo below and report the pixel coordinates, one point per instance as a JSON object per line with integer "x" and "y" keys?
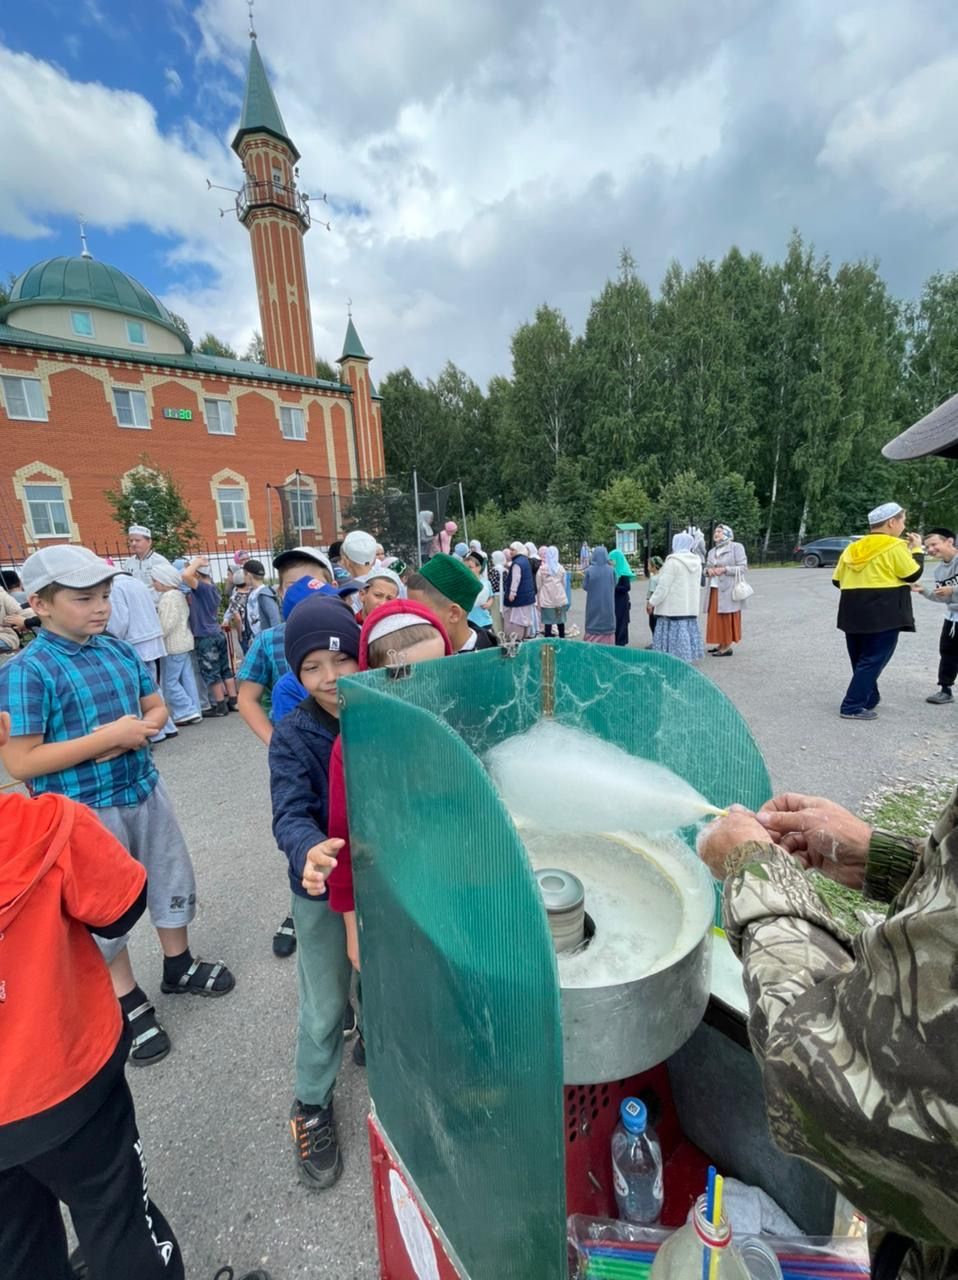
{"x": 185, "y": 415}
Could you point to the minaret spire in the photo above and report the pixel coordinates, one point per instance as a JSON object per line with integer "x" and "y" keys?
{"x": 276, "y": 215}
{"x": 84, "y": 248}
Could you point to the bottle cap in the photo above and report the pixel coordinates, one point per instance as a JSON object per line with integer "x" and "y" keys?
{"x": 633, "y": 1115}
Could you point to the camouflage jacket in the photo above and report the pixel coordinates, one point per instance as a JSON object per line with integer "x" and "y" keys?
{"x": 858, "y": 1039}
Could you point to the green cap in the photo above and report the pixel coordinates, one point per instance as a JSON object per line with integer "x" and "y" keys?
{"x": 452, "y": 579}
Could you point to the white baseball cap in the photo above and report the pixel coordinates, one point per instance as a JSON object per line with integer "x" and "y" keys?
{"x": 300, "y": 553}
{"x": 359, "y": 546}
{"x": 66, "y": 566}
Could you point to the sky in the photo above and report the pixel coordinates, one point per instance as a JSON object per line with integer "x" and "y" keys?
{"x": 479, "y": 157}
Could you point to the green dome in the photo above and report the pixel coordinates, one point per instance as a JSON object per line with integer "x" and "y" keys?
{"x": 87, "y": 282}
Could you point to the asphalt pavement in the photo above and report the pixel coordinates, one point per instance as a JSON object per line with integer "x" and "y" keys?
{"x": 214, "y": 1114}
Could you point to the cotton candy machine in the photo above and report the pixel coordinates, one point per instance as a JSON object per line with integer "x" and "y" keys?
{"x": 496, "y": 1063}
{"x": 631, "y": 920}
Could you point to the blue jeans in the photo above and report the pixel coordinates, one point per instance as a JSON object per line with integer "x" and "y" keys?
{"x": 869, "y": 656}
{"x": 178, "y": 686}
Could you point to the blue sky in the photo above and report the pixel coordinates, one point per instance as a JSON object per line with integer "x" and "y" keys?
{"x": 483, "y": 156}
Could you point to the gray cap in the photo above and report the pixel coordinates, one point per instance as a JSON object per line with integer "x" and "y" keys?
{"x": 300, "y": 553}
{"x": 67, "y": 567}
{"x": 936, "y": 433}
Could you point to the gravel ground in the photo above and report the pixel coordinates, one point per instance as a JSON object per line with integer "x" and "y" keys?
{"x": 214, "y": 1114}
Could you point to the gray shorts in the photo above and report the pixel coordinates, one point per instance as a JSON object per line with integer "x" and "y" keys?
{"x": 152, "y": 835}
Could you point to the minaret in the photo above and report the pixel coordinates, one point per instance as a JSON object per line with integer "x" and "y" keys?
{"x": 277, "y": 217}
{"x": 367, "y": 420}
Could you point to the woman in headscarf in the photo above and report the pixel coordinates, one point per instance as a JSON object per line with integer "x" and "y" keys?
{"x": 675, "y": 599}
{"x": 480, "y": 615}
{"x": 551, "y": 593}
{"x": 519, "y": 595}
{"x": 725, "y": 564}
{"x": 652, "y": 568}
{"x": 623, "y": 595}
{"x": 599, "y": 584}
{"x": 497, "y": 577}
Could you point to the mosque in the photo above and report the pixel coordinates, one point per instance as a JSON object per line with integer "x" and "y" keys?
{"x": 95, "y": 374}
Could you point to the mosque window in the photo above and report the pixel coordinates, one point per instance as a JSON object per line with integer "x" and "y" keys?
{"x": 302, "y": 507}
{"x": 47, "y": 510}
{"x": 219, "y": 418}
{"x": 292, "y": 423}
{"x": 232, "y": 505}
{"x": 23, "y": 398}
{"x": 131, "y": 409}
{"x": 136, "y": 333}
{"x": 82, "y": 324}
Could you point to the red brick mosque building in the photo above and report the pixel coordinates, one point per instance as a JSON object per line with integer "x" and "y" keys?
{"x": 95, "y": 374}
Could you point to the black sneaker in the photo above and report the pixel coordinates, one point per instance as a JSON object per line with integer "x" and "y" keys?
{"x": 227, "y": 1273}
{"x": 941, "y": 697}
{"x": 859, "y": 715}
{"x": 318, "y": 1160}
{"x": 349, "y": 1021}
{"x": 231, "y": 703}
{"x": 208, "y": 713}
{"x": 359, "y": 1051}
{"x": 284, "y": 939}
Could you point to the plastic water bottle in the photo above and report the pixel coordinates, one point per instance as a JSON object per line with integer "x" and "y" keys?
{"x": 637, "y": 1166}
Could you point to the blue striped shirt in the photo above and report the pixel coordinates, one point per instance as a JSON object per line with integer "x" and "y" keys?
{"x": 62, "y": 690}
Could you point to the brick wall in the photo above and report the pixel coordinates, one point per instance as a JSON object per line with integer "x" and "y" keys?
{"x": 83, "y": 442}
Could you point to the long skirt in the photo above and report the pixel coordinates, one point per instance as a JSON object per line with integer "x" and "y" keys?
{"x": 722, "y": 629}
{"x": 623, "y": 613}
{"x": 592, "y": 637}
{"x": 679, "y": 637}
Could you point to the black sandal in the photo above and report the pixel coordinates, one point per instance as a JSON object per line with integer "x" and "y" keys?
{"x": 195, "y": 982}
{"x": 152, "y": 1036}
{"x": 284, "y": 939}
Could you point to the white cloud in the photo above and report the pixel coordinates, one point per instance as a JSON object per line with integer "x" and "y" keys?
{"x": 174, "y": 81}
{"x": 481, "y": 158}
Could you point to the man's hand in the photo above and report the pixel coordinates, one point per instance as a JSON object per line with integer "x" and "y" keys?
{"x": 821, "y": 834}
{"x": 320, "y": 860}
{"x": 719, "y": 838}
{"x": 352, "y": 938}
{"x": 914, "y": 542}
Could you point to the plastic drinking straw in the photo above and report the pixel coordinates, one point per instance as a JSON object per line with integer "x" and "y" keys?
{"x": 716, "y": 1219}
{"x": 709, "y": 1206}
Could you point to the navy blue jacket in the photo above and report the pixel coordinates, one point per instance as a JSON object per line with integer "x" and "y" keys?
{"x": 299, "y": 753}
{"x": 526, "y": 591}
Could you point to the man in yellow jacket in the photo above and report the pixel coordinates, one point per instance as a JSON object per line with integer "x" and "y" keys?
{"x": 874, "y": 576}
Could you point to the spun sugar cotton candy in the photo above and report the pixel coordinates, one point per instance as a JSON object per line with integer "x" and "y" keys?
{"x": 555, "y": 778}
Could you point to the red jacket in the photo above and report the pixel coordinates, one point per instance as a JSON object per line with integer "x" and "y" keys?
{"x": 60, "y": 871}
{"x": 340, "y": 881}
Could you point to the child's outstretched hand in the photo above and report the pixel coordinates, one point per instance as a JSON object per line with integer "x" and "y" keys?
{"x": 320, "y": 861}
{"x": 352, "y": 938}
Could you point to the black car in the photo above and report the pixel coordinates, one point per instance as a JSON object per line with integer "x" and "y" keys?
{"x": 823, "y": 551}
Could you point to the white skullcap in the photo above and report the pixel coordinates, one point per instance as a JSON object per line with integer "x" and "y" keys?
{"x": 396, "y": 622}
{"x": 887, "y": 511}
{"x": 138, "y": 531}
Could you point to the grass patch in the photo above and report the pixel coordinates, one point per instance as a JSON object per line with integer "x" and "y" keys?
{"x": 907, "y": 808}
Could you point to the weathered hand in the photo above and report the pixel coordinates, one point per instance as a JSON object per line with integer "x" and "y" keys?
{"x": 720, "y": 838}
{"x": 821, "y": 834}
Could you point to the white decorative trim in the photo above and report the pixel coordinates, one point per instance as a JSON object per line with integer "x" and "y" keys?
{"x": 225, "y": 479}
{"x": 21, "y": 478}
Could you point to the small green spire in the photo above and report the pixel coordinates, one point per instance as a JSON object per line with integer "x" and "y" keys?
{"x": 260, "y": 112}
{"x": 352, "y": 348}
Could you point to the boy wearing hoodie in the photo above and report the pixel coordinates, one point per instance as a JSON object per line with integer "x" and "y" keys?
{"x": 940, "y": 543}
{"x": 874, "y": 576}
{"x": 321, "y": 644}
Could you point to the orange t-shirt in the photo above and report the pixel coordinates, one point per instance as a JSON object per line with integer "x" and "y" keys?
{"x": 60, "y": 870}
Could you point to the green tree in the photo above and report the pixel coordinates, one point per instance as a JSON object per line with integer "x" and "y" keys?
{"x": 151, "y": 497}
{"x": 543, "y": 401}
{"x": 620, "y": 501}
{"x": 255, "y": 350}
{"x": 536, "y": 521}
{"x": 180, "y": 324}
{"x": 327, "y": 371}
{"x": 6, "y": 288}
{"x": 685, "y": 499}
{"x": 210, "y": 345}
{"x": 385, "y": 512}
{"x": 733, "y": 501}
{"x": 569, "y": 491}
{"x": 490, "y": 526}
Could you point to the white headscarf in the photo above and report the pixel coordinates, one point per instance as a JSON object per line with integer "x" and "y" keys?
{"x": 166, "y": 574}
{"x": 552, "y": 560}
{"x": 499, "y": 559}
{"x": 531, "y": 550}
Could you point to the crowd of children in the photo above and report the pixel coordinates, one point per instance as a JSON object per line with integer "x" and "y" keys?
{"x": 98, "y": 843}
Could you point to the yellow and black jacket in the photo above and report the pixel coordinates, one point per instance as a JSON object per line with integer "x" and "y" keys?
{"x": 873, "y": 576}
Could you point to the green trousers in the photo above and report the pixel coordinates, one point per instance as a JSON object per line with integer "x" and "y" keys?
{"x": 323, "y": 973}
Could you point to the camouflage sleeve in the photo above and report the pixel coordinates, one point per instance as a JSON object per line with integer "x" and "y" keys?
{"x": 858, "y": 1040}
{"x": 891, "y": 862}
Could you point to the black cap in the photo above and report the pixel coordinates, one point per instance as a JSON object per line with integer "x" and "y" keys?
{"x": 320, "y": 622}
{"x": 255, "y": 567}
